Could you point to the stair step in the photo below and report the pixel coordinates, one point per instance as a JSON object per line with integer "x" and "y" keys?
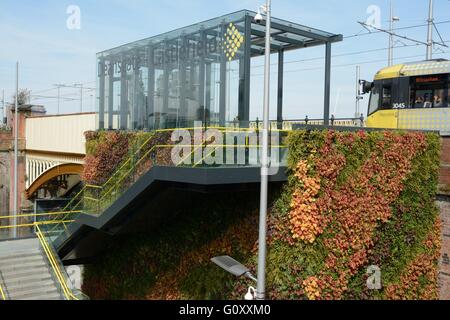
{"x": 53, "y": 296}
{"x": 32, "y": 293}
{"x": 17, "y": 274}
{"x": 19, "y": 254}
{"x": 15, "y": 261}
{"x": 30, "y": 286}
{"x": 30, "y": 279}
{"x": 22, "y": 265}
{"x": 18, "y": 245}
{"x": 26, "y": 272}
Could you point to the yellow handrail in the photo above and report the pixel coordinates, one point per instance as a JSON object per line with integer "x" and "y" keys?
{"x": 125, "y": 174}
{"x": 36, "y": 223}
{"x": 53, "y": 262}
{"x": 39, "y": 214}
{"x": 2, "y": 293}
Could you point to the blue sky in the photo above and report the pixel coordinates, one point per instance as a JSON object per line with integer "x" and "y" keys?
{"x": 35, "y": 33}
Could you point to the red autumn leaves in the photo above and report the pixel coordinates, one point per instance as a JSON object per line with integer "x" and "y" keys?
{"x": 347, "y": 215}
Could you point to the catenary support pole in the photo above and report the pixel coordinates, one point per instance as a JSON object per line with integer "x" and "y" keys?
{"x": 430, "y": 32}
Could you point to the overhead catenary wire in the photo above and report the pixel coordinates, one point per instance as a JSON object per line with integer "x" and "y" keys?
{"x": 353, "y": 64}
{"x": 309, "y": 59}
{"x": 394, "y": 29}
{"x": 345, "y": 37}
{"x": 343, "y": 54}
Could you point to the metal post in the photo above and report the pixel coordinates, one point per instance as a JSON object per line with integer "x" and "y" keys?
{"x": 392, "y": 19}
{"x": 135, "y": 109}
{"x": 261, "y": 286}
{"x": 223, "y": 82}
{"x": 280, "y": 89}
{"x": 123, "y": 95}
{"x": 391, "y": 37}
{"x": 111, "y": 95}
{"x": 59, "y": 99}
{"x": 151, "y": 89}
{"x": 208, "y": 93}
{"x": 81, "y": 98}
{"x": 101, "y": 104}
{"x": 201, "y": 75}
{"x": 34, "y": 217}
{"x": 358, "y": 96}
{"x": 16, "y": 153}
{"x": 165, "y": 108}
{"x": 244, "y": 75}
{"x": 183, "y": 107}
{"x": 326, "y": 112}
{"x": 430, "y": 32}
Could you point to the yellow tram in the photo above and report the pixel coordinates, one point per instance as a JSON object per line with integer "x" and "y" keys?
{"x": 410, "y": 96}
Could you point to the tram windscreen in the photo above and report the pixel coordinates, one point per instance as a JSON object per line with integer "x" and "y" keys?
{"x": 374, "y": 99}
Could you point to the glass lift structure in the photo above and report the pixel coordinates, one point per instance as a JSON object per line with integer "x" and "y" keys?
{"x": 197, "y": 73}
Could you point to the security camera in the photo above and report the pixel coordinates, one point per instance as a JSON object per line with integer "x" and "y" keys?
{"x": 258, "y": 17}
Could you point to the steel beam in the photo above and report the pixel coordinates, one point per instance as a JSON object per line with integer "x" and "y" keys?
{"x": 201, "y": 75}
{"x": 326, "y": 112}
{"x": 151, "y": 88}
{"x": 280, "y": 89}
{"x": 123, "y": 95}
{"x": 223, "y": 82}
{"x": 111, "y": 95}
{"x": 101, "y": 95}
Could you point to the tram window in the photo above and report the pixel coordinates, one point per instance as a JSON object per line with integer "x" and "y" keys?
{"x": 374, "y": 100}
{"x": 429, "y": 92}
{"x": 439, "y": 99}
{"x": 423, "y": 98}
{"x": 430, "y": 99}
{"x": 387, "y": 98}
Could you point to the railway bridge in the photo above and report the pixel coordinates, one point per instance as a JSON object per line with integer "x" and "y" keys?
{"x": 51, "y": 155}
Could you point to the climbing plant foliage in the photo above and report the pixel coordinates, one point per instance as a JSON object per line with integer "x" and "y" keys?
{"x": 353, "y": 200}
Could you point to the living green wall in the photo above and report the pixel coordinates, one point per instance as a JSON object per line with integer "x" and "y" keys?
{"x": 353, "y": 200}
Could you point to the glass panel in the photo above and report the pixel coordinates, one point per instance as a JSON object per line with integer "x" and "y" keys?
{"x": 387, "y": 98}
{"x": 374, "y": 100}
{"x": 174, "y": 79}
{"x": 429, "y": 91}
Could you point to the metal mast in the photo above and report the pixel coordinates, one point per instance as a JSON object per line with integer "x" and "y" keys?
{"x": 392, "y": 19}
{"x": 430, "y": 31}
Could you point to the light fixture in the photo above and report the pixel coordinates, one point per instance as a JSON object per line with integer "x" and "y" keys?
{"x": 234, "y": 267}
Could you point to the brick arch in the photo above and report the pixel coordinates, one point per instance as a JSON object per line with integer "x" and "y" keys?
{"x": 66, "y": 168}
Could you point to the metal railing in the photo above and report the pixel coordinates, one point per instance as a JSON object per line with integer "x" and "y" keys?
{"x": 55, "y": 265}
{"x": 27, "y": 222}
{"x": 2, "y": 291}
{"x": 53, "y": 260}
{"x": 95, "y": 199}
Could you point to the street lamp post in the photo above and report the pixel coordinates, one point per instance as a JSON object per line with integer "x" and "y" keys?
{"x": 225, "y": 262}
{"x": 262, "y": 251}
